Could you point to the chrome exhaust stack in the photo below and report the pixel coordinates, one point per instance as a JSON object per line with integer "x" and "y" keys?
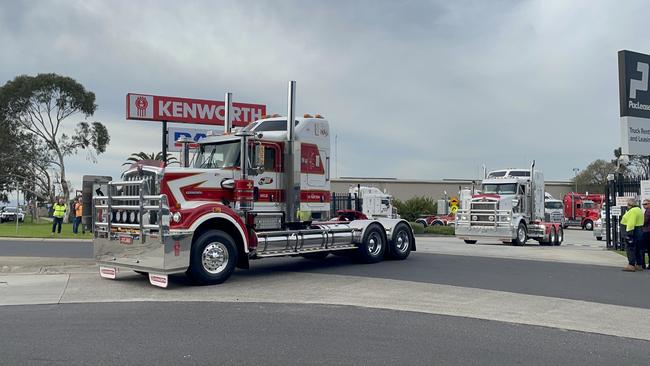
{"x": 292, "y": 159}
{"x": 227, "y": 127}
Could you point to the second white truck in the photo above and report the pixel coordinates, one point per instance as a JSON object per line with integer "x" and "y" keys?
{"x": 509, "y": 209}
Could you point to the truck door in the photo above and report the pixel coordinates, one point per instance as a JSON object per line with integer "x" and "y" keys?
{"x": 270, "y": 193}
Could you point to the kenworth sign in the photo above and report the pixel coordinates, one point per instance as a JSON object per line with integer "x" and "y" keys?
{"x": 184, "y": 110}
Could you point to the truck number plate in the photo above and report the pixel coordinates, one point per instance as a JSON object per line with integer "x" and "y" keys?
{"x": 126, "y": 239}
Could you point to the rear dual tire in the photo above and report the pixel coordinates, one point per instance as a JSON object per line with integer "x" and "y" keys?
{"x": 373, "y": 245}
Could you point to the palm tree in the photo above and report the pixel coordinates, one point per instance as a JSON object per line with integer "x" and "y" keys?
{"x": 136, "y": 157}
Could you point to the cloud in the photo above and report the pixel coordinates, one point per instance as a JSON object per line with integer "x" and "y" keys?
{"x": 413, "y": 89}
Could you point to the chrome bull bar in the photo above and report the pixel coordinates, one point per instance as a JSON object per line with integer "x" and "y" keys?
{"x": 113, "y": 213}
{"x": 475, "y": 217}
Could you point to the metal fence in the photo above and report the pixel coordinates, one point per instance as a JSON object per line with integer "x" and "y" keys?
{"x": 619, "y": 187}
{"x": 345, "y": 201}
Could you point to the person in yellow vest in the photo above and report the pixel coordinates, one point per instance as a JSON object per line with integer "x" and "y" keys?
{"x": 78, "y": 212}
{"x": 58, "y": 214}
{"x": 633, "y": 222}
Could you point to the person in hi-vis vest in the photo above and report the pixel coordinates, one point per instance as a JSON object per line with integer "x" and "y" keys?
{"x": 59, "y": 209}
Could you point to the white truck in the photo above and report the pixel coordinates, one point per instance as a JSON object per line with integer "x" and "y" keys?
{"x": 374, "y": 202}
{"x": 263, "y": 191}
{"x": 553, "y": 210}
{"x": 510, "y": 209}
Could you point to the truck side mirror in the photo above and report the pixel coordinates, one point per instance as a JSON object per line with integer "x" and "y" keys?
{"x": 258, "y": 163}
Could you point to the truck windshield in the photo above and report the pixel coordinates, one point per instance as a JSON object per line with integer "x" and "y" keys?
{"x": 503, "y": 188}
{"x": 553, "y": 205}
{"x": 588, "y": 204}
{"x": 219, "y": 155}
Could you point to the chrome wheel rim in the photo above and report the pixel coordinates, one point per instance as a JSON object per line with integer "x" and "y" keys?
{"x": 374, "y": 244}
{"x": 402, "y": 242}
{"x": 552, "y": 237}
{"x": 521, "y": 234}
{"x": 560, "y": 236}
{"x": 214, "y": 258}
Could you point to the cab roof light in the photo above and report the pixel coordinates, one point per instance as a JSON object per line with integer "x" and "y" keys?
{"x": 307, "y": 115}
{"x": 318, "y": 116}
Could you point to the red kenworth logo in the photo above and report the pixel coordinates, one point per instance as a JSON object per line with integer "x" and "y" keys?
{"x": 141, "y": 105}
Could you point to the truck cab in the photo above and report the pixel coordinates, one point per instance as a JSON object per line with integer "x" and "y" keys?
{"x": 510, "y": 208}
{"x": 554, "y": 210}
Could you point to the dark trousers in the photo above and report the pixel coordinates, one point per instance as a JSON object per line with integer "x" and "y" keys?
{"x": 57, "y": 222}
{"x": 75, "y": 225}
{"x": 645, "y": 248}
{"x": 634, "y": 247}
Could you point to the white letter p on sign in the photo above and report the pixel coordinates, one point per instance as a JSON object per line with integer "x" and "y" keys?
{"x": 641, "y": 85}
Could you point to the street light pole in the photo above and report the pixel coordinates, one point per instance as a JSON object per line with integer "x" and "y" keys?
{"x": 575, "y": 178}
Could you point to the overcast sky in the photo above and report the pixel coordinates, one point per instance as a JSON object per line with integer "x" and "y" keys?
{"x": 413, "y": 89}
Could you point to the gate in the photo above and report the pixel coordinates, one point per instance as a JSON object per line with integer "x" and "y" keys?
{"x": 619, "y": 187}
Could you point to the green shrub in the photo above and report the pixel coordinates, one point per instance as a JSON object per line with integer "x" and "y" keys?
{"x": 417, "y": 228}
{"x": 415, "y": 207}
{"x": 440, "y": 230}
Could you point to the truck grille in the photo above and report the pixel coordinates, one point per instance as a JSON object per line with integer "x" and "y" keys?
{"x": 480, "y": 213}
{"x": 484, "y": 206}
{"x": 553, "y": 217}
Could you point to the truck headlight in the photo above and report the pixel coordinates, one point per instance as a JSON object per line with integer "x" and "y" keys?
{"x": 474, "y": 218}
{"x": 176, "y": 216}
{"x": 491, "y": 218}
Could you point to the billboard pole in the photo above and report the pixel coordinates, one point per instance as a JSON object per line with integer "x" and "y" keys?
{"x": 164, "y": 143}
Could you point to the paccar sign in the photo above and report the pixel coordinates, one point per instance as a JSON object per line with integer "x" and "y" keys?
{"x": 633, "y": 70}
{"x": 192, "y": 133}
{"x": 184, "y": 110}
{"x": 634, "y": 99}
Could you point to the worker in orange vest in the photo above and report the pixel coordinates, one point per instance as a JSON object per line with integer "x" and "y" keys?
{"x": 78, "y": 210}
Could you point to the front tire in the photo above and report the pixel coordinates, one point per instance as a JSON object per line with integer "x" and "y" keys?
{"x": 522, "y": 235}
{"x": 213, "y": 258}
{"x": 400, "y": 247}
{"x": 373, "y": 245}
{"x": 589, "y": 225}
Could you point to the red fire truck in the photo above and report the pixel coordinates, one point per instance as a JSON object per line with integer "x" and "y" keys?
{"x": 262, "y": 191}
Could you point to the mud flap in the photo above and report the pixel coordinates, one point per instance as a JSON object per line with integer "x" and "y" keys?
{"x": 159, "y": 280}
{"x": 108, "y": 272}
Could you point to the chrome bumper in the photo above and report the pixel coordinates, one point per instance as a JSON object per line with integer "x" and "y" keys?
{"x": 467, "y": 232}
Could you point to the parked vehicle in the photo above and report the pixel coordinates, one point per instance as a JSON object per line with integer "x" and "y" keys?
{"x": 10, "y": 214}
{"x": 263, "y": 191}
{"x": 510, "y": 208}
{"x": 374, "y": 202}
{"x": 437, "y": 220}
{"x": 553, "y": 210}
{"x": 599, "y": 226}
{"x": 582, "y": 210}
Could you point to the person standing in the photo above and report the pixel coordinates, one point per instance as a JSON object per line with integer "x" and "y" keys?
{"x": 78, "y": 212}
{"x": 646, "y": 234}
{"x": 633, "y": 222}
{"x": 59, "y": 209}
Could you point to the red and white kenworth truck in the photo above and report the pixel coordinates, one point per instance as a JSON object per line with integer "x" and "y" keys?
{"x": 510, "y": 208}
{"x": 262, "y": 191}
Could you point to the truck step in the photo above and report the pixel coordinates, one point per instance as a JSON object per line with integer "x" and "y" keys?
{"x": 283, "y": 252}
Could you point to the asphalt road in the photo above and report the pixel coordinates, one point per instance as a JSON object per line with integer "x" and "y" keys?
{"x": 46, "y": 248}
{"x": 288, "y": 334}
